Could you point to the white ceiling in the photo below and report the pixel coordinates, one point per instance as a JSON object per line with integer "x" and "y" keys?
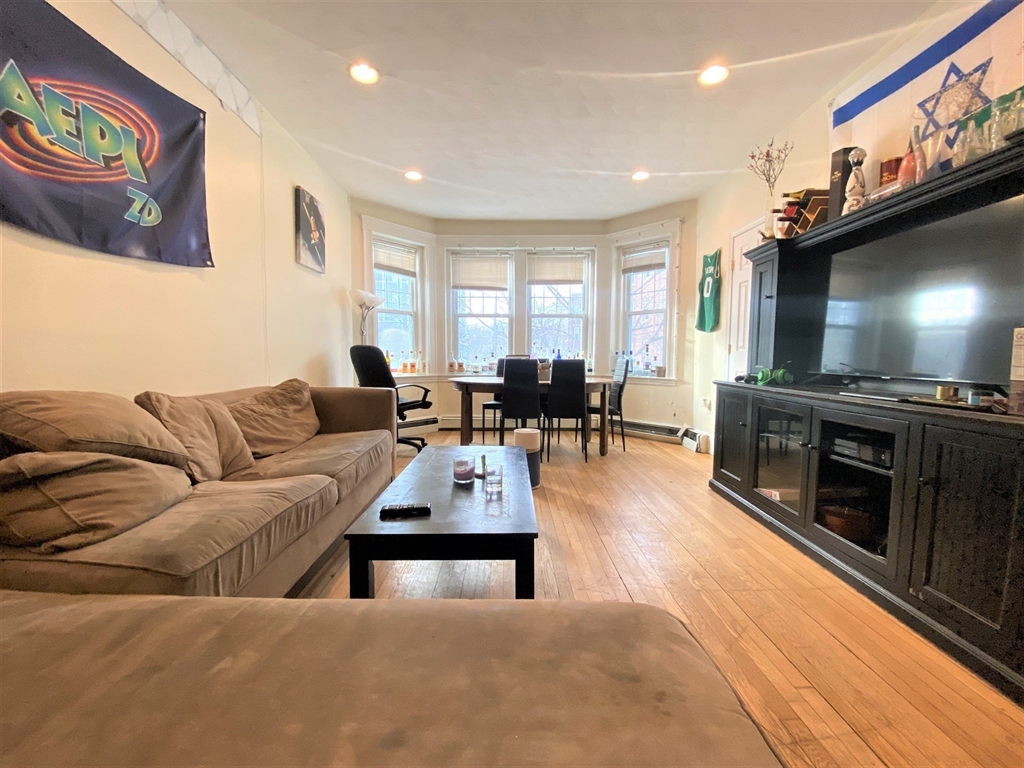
{"x": 537, "y": 110}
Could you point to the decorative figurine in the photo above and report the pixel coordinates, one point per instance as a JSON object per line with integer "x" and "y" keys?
{"x": 856, "y": 186}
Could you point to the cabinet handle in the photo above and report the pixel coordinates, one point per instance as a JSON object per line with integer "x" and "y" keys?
{"x": 926, "y": 482}
{"x": 743, "y": 423}
{"x": 769, "y": 295}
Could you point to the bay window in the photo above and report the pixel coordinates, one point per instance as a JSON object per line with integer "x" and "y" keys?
{"x": 481, "y": 305}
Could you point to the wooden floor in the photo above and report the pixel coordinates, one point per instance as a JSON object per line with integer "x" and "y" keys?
{"x": 831, "y": 679}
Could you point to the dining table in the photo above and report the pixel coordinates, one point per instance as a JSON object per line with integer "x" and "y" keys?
{"x": 492, "y": 385}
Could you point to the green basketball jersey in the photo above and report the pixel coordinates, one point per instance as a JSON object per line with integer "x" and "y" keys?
{"x": 709, "y": 292}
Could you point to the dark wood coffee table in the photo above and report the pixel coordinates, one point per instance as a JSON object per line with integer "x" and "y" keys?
{"x": 463, "y": 525}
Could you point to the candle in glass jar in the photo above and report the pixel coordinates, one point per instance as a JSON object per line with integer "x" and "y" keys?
{"x": 464, "y": 469}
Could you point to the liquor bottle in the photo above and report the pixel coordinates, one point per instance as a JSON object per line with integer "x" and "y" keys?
{"x": 476, "y": 364}
{"x": 492, "y": 364}
{"x": 460, "y": 366}
{"x": 414, "y": 363}
{"x": 558, "y": 356}
{"x": 387, "y": 359}
{"x": 451, "y": 364}
{"x": 405, "y": 362}
{"x": 647, "y": 358}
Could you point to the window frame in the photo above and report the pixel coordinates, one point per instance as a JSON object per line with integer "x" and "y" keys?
{"x": 424, "y": 293}
{"x": 622, "y": 333}
{"x": 412, "y": 314}
{"x": 585, "y": 318}
{"x": 453, "y": 314}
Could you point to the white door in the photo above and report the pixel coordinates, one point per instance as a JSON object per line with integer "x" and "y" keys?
{"x": 738, "y": 270}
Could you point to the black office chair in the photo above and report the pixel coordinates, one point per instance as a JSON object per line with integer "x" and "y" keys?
{"x": 520, "y": 394}
{"x": 567, "y": 398}
{"x": 615, "y": 399}
{"x": 372, "y": 371}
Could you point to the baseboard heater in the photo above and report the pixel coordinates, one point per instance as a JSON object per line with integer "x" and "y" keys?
{"x": 655, "y": 430}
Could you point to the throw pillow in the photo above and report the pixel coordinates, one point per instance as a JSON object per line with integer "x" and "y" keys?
{"x": 67, "y": 500}
{"x": 276, "y": 419}
{"x": 94, "y": 422}
{"x": 215, "y": 444}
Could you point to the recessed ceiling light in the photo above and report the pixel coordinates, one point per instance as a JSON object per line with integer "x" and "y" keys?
{"x": 641, "y": 175}
{"x": 713, "y": 75}
{"x": 413, "y": 175}
{"x": 363, "y": 73}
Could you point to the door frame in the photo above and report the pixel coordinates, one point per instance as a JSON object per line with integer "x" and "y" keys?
{"x": 730, "y": 331}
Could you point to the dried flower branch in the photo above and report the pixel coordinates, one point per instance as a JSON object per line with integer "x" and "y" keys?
{"x": 767, "y": 163}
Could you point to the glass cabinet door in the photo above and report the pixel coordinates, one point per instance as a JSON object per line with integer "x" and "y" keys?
{"x": 783, "y": 431}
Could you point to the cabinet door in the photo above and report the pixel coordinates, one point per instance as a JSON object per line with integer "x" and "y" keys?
{"x": 782, "y": 430}
{"x": 855, "y": 492}
{"x": 762, "y": 315}
{"x": 968, "y": 564}
{"x": 732, "y": 437}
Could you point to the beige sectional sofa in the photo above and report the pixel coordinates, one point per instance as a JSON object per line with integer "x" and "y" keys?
{"x": 254, "y": 531}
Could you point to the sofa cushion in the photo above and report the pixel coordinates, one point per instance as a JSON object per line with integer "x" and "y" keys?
{"x": 94, "y": 422}
{"x": 348, "y": 457}
{"x": 67, "y": 500}
{"x": 130, "y": 681}
{"x": 276, "y": 419}
{"x": 213, "y": 439}
{"x": 211, "y": 543}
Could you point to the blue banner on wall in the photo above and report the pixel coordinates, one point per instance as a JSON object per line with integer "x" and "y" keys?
{"x": 93, "y": 152}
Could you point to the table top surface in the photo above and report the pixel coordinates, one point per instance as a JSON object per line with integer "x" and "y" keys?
{"x": 497, "y": 381}
{"x": 456, "y": 509}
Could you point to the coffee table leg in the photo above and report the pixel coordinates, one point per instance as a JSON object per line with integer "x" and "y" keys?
{"x": 360, "y": 572}
{"x": 524, "y": 573}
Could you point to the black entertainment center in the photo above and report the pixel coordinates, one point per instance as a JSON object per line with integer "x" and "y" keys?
{"x": 919, "y": 507}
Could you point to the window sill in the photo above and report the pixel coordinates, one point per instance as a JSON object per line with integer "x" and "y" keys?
{"x": 658, "y": 381}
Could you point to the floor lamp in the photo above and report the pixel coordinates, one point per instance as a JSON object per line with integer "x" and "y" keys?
{"x": 366, "y": 302}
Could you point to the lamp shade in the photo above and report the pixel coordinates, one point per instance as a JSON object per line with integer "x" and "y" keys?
{"x": 365, "y": 299}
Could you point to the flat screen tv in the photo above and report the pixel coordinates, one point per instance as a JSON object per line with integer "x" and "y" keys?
{"x": 939, "y": 302}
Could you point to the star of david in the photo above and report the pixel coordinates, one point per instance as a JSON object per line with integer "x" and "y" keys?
{"x": 959, "y": 96}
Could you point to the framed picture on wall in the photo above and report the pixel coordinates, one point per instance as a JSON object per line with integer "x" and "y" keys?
{"x": 310, "y": 243}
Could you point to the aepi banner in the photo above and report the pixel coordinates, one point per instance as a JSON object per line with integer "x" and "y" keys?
{"x": 955, "y": 65}
{"x": 92, "y": 152}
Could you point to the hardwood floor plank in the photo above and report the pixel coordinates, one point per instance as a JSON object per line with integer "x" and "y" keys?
{"x": 830, "y": 678}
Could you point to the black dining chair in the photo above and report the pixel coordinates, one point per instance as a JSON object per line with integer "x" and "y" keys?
{"x": 493, "y": 405}
{"x": 615, "y": 399}
{"x": 567, "y": 398}
{"x": 372, "y": 370}
{"x": 520, "y": 394}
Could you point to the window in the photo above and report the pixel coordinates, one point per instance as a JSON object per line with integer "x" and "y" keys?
{"x": 394, "y": 280}
{"x": 556, "y": 304}
{"x": 480, "y": 297}
{"x": 645, "y": 289}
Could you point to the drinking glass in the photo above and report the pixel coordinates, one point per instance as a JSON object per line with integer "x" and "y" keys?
{"x": 493, "y": 479}
{"x": 464, "y": 469}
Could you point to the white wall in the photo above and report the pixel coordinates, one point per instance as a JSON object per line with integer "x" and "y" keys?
{"x": 76, "y": 319}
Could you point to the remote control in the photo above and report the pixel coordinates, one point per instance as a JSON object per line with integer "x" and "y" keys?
{"x": 400, "y": 511}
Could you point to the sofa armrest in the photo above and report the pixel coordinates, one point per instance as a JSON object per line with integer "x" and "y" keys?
{"x": 355, "y": 409}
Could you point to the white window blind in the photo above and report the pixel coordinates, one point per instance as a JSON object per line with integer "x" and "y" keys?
{"x": 644, "y": 258}
{"x": 480, "y": 272}
{"x": 549, "y": 269}
{"x": 395, "y": 257}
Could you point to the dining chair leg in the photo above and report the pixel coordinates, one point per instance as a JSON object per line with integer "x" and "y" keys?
{"x": 501, "y": 435}
{"x": 575, "y": 431}
{"x": 622, "y": 431}
{"x": 550, "y": 422}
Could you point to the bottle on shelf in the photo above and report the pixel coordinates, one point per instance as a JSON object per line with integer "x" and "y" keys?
{"x": 387, "y": 359}
{"x": 475, "y": 368}
{"x": 422, "y": 362}
{"x": 460, "y": 366}
{"x": 492, "y": 364}
{"x": 405, "y": 362}
{"x": 451, "y": 364}
{"x": 558, "y": 355}
{"x": 414, "y": 363}
{"x": 615, "y": 359}
{"x": 647, "y": 358}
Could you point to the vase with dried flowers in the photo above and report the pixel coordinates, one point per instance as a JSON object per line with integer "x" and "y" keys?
{"x": 767, "y": 165}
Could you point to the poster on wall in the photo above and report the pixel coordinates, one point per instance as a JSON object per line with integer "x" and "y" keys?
{"x": 310, "y": 244}
{"x": 92, "y": 152}
{"x": 957, "y": 63}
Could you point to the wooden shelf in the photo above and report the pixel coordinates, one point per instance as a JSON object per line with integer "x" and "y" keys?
{"x": 997, "y": 176}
